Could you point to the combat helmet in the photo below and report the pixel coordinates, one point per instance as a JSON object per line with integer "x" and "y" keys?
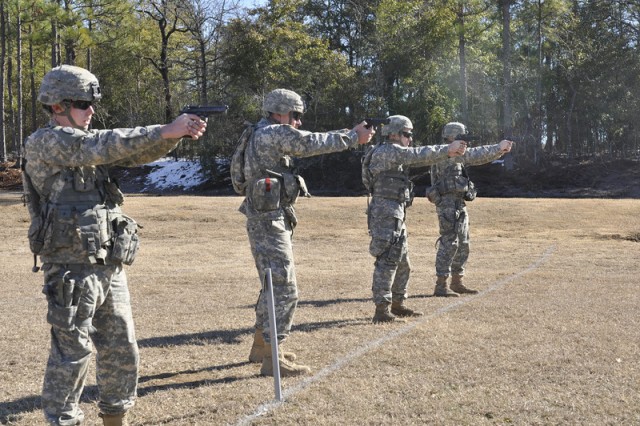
{"x": 283, "y": 101}
{"x": 453, "y": 129}
{"x": 69, "y": 82}
{"x": 396, "y": 124}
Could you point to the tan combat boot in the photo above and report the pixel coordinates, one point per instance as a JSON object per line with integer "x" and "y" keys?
{"x": 442, "y": 288}
{"x": 400, "y": 310}
{"x": 458, "y": 287}
{"x": 258, "y": 349}
{"x": 114, "y": 419}
{"x": 382, "y": 313}
{"x": 287, "y": 368}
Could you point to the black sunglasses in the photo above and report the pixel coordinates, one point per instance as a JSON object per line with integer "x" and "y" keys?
{"x": 407, "y": 134}
{"x": 296, "y": 115}
{"x": 83, "y": 105}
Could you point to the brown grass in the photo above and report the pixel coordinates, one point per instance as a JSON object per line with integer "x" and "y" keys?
{"x": 553, "y": 338}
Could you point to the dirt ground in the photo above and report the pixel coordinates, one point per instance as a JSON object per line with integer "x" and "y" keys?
{"x": 553, "y": 338}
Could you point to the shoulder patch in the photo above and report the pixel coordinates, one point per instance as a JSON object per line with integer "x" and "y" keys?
{"x": 68, "y": 130}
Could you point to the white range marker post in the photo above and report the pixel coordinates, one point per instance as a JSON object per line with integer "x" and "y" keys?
{"x": 274, "y": 336}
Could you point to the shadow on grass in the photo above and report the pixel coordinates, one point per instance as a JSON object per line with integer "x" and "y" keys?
{"x": 228, "y": 337}
{"x": 163, "y": 376}
{"x": 322, "y": 303}
{"x": 10, "y": 411}
{"x": 233, "y": 337}
{"x": 422, "y": 296}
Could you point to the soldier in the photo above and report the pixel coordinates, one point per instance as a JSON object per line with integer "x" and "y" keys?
{"x": 271, "y": 192}
{"x": 83, "y": 239}
{"x": 450, "y": 188}
{"x": 385, "y": 172}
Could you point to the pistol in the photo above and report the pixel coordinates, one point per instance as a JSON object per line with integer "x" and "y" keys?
{"x": 375, "y": 122}
{"x": 467, "y": 137}
{"x": 204, "y": 111}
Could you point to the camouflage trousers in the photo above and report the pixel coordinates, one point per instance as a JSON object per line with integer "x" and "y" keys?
{"x": 392, "y": 268}
{"x": 89, "y": 305}
{"x": 271, "y": 246}
{"x": 453, "y": 244}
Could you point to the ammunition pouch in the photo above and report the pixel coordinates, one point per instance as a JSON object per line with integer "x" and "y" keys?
{"x": 471, "y": 192}
{"x": 94, "y": 233}
{"x": 59, "y": 228}
{"x": 125, "y": 242}
{"x": 265, "y": 194}
{"x": 294, "y": 186}
{"x": 277, "y": 189}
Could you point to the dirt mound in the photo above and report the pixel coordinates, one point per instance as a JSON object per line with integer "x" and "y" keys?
{"x": 339, "y": 174}
{"x": 10, "y": 178}
{"x": 562, "y": 178}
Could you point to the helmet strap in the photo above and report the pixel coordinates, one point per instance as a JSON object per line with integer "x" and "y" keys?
{"x": 67, "y": 113}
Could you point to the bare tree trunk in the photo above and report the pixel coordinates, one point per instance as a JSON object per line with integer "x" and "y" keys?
{"x": 507, "y": 120}
{"x": 55, "y": 42}
{"x": 69, "y": 44}
{"x": 10, "y": 113}
{"x": 19, "y": 115}
{"x": 3, "y": 54}
{"x": 549, "y": 146}
{"x": 164, "y": 72}
{"x": 90, "y": 26}
{"x": 463, "y": 65}
{"x": 572, "y": 103}
{"x": 203, "y": 71}
{"x": 538, "y": 122}
{"x": 166, "y": 15}
{"x": 32, "y": 84}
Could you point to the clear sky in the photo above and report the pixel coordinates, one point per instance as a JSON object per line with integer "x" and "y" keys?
{"x": 252, "y": 3}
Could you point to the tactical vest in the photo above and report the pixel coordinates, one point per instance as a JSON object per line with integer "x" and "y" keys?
{"x": 394, "y": 186}
{"x": 453, "y": 180}
{"x": 80, "y": 221}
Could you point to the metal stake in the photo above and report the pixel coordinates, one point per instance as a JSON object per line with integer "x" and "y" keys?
{"x": 274, "y": 336}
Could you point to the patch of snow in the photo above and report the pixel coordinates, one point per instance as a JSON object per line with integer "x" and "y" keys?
{"x": 169, "y": 173}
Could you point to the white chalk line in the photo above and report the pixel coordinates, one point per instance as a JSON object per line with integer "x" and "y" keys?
{"x": 320, "y": 375}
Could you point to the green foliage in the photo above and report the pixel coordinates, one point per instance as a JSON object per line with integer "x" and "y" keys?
{"x": 574, "y": 65}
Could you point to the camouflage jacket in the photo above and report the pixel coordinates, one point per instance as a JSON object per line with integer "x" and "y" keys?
{"x": 55, "y": 155}
{"x": 395, "y": 159}
{"x": 448, "y": 174}
{"x": 273, "y": 142}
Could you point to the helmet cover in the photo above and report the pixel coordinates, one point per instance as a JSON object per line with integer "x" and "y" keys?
{"x": 453, "y": 129}
{"x": 69, "y": 82}
{"x": 397, "y": 123}
{"x": 283, "y": 101}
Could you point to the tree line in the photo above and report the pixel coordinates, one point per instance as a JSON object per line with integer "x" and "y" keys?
{"x": 559, "y": 76}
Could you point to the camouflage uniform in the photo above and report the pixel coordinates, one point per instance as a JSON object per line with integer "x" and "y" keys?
{"x": 270, "y": 223}
{"x": 388, "y": 167}
{"x": 448, "y": 180}
{"x": 84, "y": 239}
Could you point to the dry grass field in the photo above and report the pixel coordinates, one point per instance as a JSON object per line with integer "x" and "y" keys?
{"x": 552, "y": 339}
